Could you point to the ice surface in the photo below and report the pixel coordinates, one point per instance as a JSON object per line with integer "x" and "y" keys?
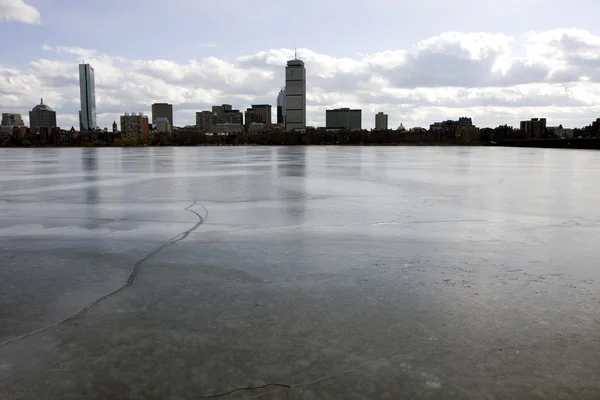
{"x": 343, "y": 272}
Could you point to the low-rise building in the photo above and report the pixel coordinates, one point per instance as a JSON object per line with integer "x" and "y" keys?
{"x": 229, "y": 128}
{"x": 256, "y": 127}
{"x": 162, "y": 125}
{"x": 560, "y": 132}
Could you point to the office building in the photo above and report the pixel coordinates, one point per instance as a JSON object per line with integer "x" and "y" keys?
{"x": 295, "y": 95}
{"x": 264, "y": 112}
{"x": 225, "y": 114}
{"x": 258, "y": 113}
{"x": 9, "y": 119}
{"x": 135, "y": 126}
{"x": 87, "y": 94}
{"x": 381, "y": 122}
{"x": 205, "y": 121}
{"x": 343, "y": 118}
{"x": 281, "y": 107}
{"x": 534, "y": 129}
{"x": 251, "y": 117}
{"x": 42, "y": 116}
{"x": 162, "y": 110}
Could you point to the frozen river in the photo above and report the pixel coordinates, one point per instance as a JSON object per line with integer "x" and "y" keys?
{"x": 332, "y": 272}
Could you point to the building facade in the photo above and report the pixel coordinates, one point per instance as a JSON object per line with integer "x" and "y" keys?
{"x": 135, "y": 126}
{"x": 162, "y": 110}
{"x": 534, "y": 129}
{"x": 162, "y": 125}
{"x": 229, "y": 128}
{"x": 87, "y": 95}
{"x": 344, "y": 118}
{"x": 381, "y": 121}
{"x": 281, "y": 107}
{"x": 295, "y": 95}
{"x": 9, "y": 119}
{"x": 205, "y": 121}
{"x": 256, "y": 127}
{"x": 258, "y": 113}
{"x": 250, "y": 117}
{"x": 462, "y": 130}
{"x": 225, "y": 114}
{"x": 42, "y": 116}
{"x": 264, "y": 112}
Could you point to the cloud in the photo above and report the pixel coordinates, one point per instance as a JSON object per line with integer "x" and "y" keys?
{"x": 207, "y": 44}
{"x": 453, "y": 74}
{"x": 18, "y": 10}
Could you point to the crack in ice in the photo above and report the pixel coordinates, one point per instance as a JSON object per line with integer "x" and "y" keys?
{"x": 130, "y": 279}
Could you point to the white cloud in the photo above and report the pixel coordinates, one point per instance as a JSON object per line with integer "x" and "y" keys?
{"x": 446, "y": 76}
{"x": 18, "y": 10}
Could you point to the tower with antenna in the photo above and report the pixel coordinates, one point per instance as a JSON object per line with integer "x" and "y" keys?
{"x": 295, "y": 94}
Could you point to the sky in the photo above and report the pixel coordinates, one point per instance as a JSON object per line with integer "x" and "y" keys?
{"x": 418, "y": 61}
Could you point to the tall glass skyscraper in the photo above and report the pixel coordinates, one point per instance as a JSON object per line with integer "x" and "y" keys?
{"x": 87, "y": 91}
{"x": 281, "y": 107}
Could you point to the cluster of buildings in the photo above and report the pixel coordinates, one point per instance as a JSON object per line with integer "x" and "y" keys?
{"x": 225, "y": 120}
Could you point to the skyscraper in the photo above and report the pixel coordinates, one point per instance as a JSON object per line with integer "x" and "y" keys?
{"x": 281, "y": 107}
{"x": 162, "y": 110}
{"x": 87, "y": 92}
{"x": 295, "y": 95}
{"x": 42, "y": 116}
{"x": 381, "y": 121}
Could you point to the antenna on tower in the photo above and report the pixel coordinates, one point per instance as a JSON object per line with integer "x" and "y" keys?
{"x": 295, "y": 53}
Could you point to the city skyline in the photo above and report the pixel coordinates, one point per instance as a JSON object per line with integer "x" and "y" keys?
{"x": 498, "y": 69}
